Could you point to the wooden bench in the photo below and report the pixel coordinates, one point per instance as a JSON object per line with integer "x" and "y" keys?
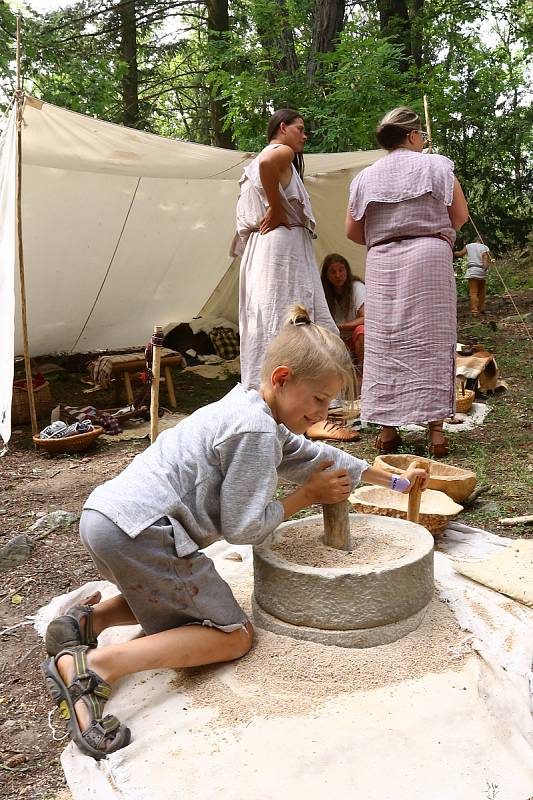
{"x": 124, "y": 368}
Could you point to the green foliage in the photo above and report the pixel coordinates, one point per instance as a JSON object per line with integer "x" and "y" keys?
{"x": 482, "y": 115}
{"x": 8, "y": 28}
{"x": 362, "y": 71}
{"x": 475, "y": 66}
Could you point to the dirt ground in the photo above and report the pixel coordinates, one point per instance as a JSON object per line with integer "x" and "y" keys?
{"x": 32, "y": 484}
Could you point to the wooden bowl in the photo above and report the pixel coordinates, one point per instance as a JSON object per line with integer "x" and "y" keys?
{"x": 69, "y": 444}
{"x": 457, "y": 483}
{"x": 463, "y": 402}
{"x": 436, "y": 508}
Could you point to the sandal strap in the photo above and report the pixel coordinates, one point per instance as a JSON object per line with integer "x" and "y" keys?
{"x": 333, "y": 424}
{"x": 99, "y": 730}
{"x": 85, "y": 612}
{"x": 86, "y": 682}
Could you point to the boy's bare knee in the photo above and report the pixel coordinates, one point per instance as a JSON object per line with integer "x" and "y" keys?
{"x": 242, "y": 640}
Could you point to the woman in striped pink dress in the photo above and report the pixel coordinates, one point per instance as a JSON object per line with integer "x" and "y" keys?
{"x": 406, "y": 208}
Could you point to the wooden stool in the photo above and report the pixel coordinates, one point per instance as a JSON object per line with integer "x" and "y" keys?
{"x": 124, "y": 368}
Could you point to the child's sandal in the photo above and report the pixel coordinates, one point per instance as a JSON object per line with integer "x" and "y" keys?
{"x": 72, "y": 629}
{"x": 104, "y": 735}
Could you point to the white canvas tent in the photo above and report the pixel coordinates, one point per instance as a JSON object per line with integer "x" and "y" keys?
{"x": 124, "y": 229}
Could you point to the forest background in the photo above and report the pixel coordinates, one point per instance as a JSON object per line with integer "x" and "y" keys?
{"x": 212, "y": 72}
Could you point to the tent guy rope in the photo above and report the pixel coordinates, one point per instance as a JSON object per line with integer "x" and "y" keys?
{"x": 493, "y": 260}
{"x": 99, "y": 292}
{"x": 508, "y": 293}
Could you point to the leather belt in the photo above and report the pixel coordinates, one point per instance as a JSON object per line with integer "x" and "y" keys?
{"x": 418, "y": 236}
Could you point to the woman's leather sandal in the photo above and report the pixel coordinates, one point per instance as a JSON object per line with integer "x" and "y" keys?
{"x": 334, "y": 431}
{"x": 388, "y": 445}
{"x": 437, "y": 449}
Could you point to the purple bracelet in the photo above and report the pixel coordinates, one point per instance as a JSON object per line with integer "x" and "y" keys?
{"x": 399, "y": 483}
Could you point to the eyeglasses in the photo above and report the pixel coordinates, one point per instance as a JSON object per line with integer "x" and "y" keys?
{"x": 423, "y": 134}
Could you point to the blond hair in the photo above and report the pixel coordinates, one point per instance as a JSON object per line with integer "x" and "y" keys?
{"x": 396, "y": 125}
{"x": 309, "y": 351}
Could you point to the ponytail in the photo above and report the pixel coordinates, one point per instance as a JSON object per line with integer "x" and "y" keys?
{"x": 309, "y": 351}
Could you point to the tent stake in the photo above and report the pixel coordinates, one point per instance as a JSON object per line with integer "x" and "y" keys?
{"x": 154, "y": 394}
{"x": 19, "y": 97}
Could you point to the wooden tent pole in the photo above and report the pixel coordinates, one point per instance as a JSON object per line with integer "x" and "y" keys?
{"x": 154, "y": 395}
{"x": 428, "y": 124}
{"x": 19, "y": 99}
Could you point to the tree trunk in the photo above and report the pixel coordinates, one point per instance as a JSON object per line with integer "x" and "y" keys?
{"x": 277, "y": 39}
{"x": 218, "y": 24}
{"x": 395, "y": 24}
{"x": 328, "y": 23}
{"x": 289, "y": 59}
{"x": 128, "y": 53}
{"x": 417, "y": 31}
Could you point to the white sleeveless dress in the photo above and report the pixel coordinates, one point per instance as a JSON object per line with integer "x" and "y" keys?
{"x": 278, "y": 269}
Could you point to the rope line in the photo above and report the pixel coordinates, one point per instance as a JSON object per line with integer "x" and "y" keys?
{"x": 498, "y": 273}
{"x": 493, "y": 260}
{"x": 109, "y": 266}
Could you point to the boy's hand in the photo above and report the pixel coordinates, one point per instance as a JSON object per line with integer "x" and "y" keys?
{"x": 327, "y": 486}
{"x": 411, "y": 474}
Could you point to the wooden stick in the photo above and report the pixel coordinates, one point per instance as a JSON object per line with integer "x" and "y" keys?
{"x": 428, "y": 124}
{"x": 18, "y": 223}
{"x": 127, "y": 385}
{"x": 337, "y": 525}
{"x": 415, "y": 495}
{"x": 154, "y": 395}
{"x": 170, "y": 387}
{"x": 510, "y": 521}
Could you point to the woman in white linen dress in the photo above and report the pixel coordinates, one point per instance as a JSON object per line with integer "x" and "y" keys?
{"x": 276, "y": 228}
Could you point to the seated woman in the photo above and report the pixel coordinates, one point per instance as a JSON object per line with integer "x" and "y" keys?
{"x": 345, "y": 295}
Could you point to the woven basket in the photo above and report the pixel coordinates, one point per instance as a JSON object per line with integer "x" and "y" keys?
{"x": 463, "y": 402}
{"x": 69, "y": 444}
{"x": 20, "y": 405}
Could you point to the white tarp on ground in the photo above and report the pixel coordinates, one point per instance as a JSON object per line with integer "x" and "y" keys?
{"x": 124, "y": 229}
{"x": 464, "y": 733}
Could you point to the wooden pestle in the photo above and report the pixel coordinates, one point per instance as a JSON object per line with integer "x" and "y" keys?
{"x": 337, "y": 525}
{"x": 415, "y": 495}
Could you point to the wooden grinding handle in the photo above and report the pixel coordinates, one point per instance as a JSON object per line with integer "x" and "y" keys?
{"x": 415, "y": 495}
{"x": 337, "y": 525}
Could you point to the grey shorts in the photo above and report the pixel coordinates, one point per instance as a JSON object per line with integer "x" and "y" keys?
{"x": 162, "y": 590}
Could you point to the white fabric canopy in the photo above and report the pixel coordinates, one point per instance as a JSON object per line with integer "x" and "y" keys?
{"x": 124, "y": 229}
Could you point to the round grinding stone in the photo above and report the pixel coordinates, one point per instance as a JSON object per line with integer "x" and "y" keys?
{"x": 362, "y": 604}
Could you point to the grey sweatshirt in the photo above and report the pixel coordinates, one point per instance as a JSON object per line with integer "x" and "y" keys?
{"x": 214, "y": 475}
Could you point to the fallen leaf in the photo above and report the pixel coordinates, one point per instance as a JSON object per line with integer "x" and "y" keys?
{"x": 16, "y": 760}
